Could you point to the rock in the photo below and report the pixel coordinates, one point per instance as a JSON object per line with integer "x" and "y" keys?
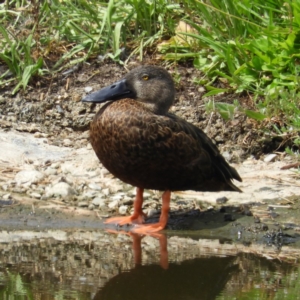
{"x": 127, "y": 200}
{"x": 151, "y": 212}
{"x": 221, "y": 200}
{"x": 123, "y": 209}
{"x": 82, "y": 204}
{"x": 67, "y": 143}
{"x": 4, "y": 187}
{"x": 99, "y": 201}
{"x": 94, "y": 186}
{"x": 28, "y": 177}
{"x": 6, "y": 197}
{"x": 62, "y": 189}
{"x": 50, "y": 171}
{"x": 117, "y": 197}
{"x": 35, "y": 195}
{"x": 146, "y": 195}
{"x": 115, "y": 187}
{"x": 88, "y": 89}
{"x": 89, "y": 194}
{"x": 113, "y": 204}
{"x": 227, "y": 155}
{"x": 270, "y": 157}
{"x": 106, "y": 192}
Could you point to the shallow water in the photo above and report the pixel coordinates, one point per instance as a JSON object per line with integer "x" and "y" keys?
{"x": 82, "y": 264}
{"x": 55, "y": 250}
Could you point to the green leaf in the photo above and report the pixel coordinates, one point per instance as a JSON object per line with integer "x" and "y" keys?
{"x": 254, "y": 115}
{"x": 215, "y": 91}
{"x": 225, "y": 110}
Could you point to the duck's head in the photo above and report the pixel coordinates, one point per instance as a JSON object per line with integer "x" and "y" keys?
{"x": 151, "y": 85}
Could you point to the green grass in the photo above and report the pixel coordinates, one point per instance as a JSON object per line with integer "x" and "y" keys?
{"x": 46, "y": 37}
{"x": 250, "y": 47}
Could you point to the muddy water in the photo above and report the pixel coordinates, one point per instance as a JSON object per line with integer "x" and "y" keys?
{"x": 246, "y": 247}
{"x": 73, "y": 269}
{"x": 76, "y": 261}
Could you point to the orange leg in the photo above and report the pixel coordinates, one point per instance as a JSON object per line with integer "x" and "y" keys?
{"x": 138, "y": 215}
{"x": 163, "y": 220}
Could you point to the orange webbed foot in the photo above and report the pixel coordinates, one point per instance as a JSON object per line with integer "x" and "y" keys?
{"x": 148, "y": 228}
{"x": 163, "y": 220}
{"x": 121, "y": 221}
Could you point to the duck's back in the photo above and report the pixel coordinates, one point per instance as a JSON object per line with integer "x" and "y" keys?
{"x": 161, "y": 152}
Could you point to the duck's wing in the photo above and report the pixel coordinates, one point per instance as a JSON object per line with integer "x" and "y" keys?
{"x": 224, "y": 169}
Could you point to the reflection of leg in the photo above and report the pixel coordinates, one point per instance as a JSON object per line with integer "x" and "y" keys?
{"x": 163, "y": 220}
{"x": 138, "y": 215}
{"x": 164, "y": 259}
{"x": 137, "y": 247}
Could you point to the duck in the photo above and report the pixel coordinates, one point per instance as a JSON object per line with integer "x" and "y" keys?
{"x": 140, "y": 142}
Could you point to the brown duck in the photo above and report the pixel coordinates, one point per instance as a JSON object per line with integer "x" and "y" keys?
{"x": 141, "y": 143}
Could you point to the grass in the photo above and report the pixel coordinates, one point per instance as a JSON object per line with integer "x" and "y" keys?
{"x": 250, "y": 47}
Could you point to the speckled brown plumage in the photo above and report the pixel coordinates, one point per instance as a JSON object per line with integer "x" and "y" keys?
{"x": 141, "y": 143}
{"x": 161, "y": 152}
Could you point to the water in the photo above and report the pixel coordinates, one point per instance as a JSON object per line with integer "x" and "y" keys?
{"x": 82, "y": 264}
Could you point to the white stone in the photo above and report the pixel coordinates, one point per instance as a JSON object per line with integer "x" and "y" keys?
{"x": 6, "y": 197}
{"x": 94, "y": 186}
{"x": 88, "y": 89}
{"x": 99, "y": 201}
{"x": 115, "y": 187}
{"x": 59, "y": 189}
{"x": 106, "y": 191}
{"x": 113, "y": 204}
{"x": 270, "y": 157}
{"x": 28, "y": 177}
{"x": 36, "y": 195}
{"x": 89, "y": 194}
{"x": 50, "y": 171}
{"x": 123, "y": 209}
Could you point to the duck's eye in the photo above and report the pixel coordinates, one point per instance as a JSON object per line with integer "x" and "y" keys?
{"x": 145, "y": 77}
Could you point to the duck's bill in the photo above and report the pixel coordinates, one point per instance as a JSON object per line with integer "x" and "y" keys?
{"x": 116, "y": 91}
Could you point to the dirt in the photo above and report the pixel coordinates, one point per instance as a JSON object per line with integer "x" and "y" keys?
{"x": 52, "y": 106}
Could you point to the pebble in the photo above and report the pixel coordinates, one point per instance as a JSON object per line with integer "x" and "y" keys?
{"x": 113, "y": 204}
{"x": 89, "y": 194}
{"x": 94, "y": 186}
{"x": 106, "y": 192}
{"x": 6, "y": 197}
{"x": 88, "y": 89}
{"x": 227, "y": 156}
{"x": 117, "y": 197}
{"x": 99, "y": 201}
{"x": 151, "y": 212}
{"x": 123, "y": 209}
{"x": 50, "y": 171}
{"x": 35, "y": 195}
{"x": 4, "y": 187}
{"x": 67, "y": 143}
{"x": 115, "y": 187}
{"x": 60, "y": 189}
{"x": 127, "y": 200}
{"x": 82, "y": 204}
{"x": 221, "y": 200}
{"x": 270, "y": 157}
{"x": 28, "y": 177}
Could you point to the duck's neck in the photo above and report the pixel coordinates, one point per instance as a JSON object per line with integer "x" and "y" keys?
{"x": 158, "y": 108}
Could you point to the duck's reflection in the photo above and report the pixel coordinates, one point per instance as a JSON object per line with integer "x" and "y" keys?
{"x": 137, "y": 246}
{"x": 200, "y": 278}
